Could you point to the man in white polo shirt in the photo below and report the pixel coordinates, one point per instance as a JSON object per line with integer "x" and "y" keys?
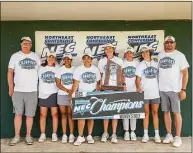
{"x": 173, "y": 79}
{"x": 22, "y": 79}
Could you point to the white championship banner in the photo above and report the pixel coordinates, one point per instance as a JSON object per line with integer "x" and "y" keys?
{"x": 78, "y": 42}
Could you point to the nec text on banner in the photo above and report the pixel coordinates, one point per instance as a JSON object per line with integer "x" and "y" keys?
{"x": 138, "y": 39}
{"x": 77, "y": 43}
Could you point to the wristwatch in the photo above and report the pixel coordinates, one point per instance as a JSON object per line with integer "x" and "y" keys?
{"x": 123, "y": 84}
{"x": 183, "y": 89}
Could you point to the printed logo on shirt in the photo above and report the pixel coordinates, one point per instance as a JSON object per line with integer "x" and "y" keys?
{"x": 28, "y": 63}
{"x": 89, "y": 77}
{"x": 129, "y": 72}
{"x": 48, "y": 77}
{"x": 67, "y": 78}
{"x": 150, "y": 72}
{"x": 166, "y": 63}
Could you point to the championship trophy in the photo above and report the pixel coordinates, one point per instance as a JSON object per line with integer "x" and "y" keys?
{"x": 113, "y": 77}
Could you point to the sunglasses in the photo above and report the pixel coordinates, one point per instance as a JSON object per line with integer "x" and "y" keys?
{"x": 169, "y": 42}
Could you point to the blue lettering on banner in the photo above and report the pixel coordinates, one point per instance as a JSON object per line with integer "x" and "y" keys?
{"x": 96, "y": 45}
{"x": 48, "y": 77}
{"x": 138, "y": 41}
{"x": 59, "y": 49}
{"x": 67, "y": 78}
{"x": 141, "y": 38}
{"x": 129, "y": 72}
{"x": 166, "y": 62}
{"x": 100, "y": 39}
{"x": 58, "y": 40}
{"x": 89, "y": 77}
{"x": 27, "y": 63}
{"x": 60, "y": 45}
{"x": 150, "y": 72}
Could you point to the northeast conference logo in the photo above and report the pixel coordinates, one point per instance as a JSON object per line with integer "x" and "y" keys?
{"x": 48, "y": 77}
{"x": 141, "y": 39}
{"x": 166, "y": 63}
{"x": 89, "y": 77}
{"x": 138, "y": 41}
{"x": 28, "y": 63}
{"x": 129, "y": 72}
{"x": 67, "y": 78}
{"x": 96, "y": 45}
{"x": 60, "y": 45}
{"x": 150, "y": 72}
{"x": 100, "y": 105}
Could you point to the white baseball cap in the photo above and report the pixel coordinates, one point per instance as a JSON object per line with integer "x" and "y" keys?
{"x": 51, "y": 54}
{"x": 87, "y": 54}
{"x": 67, "y": 55}
{"x": 131, "y": 49}
{"x": 109, "y": 45}
{"x": 169, "y": 38}
{"x": 145, "y": 48}
{"x": 26, "y": 38}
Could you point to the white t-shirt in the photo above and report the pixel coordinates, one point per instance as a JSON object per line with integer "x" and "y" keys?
{"x": 66, "y": 76}
{"x": 170, "y": 66}
{"x": 87, "y": 77}
{"x": 148, "y": 72}
{"x": 25, "y": 71}
{"x": 129, "y": 70}
{"x": 113, "y": 76}
{"x": 47, "y": 81}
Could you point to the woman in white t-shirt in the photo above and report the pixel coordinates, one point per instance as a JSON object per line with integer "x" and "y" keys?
{"x": 129, "y": 69}
{"x": 102, "y": 65}
{"x": 64, "y": 81}
{"x": 86, "y": 79}
{"x": 147, "y": 81}
{"x": 48, "y": 96}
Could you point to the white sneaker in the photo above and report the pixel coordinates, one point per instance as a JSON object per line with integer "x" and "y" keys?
{"x": 177, "y": 141}
{"x": 145, "y": 138}
{"x": 71, "y": 138}
{"x": 168, "y": 139}
{"x": 133, "y": 136}
{"x": 126, "y": 136}
{"x": 64, "y": 138}
{"x": 105, "y": 136}
{"x": 42, "y": 138}
{"x": 114, "y": 138}
{"x": 157, "y": 139}
{"x": 90, "y": 139}
{"x": 54, "y": 137}
{"x": 79, "y": 141}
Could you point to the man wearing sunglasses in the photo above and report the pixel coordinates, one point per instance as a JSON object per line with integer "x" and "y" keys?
{"x": 173, "y": 79}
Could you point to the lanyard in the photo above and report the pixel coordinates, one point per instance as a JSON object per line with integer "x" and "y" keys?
{"x": 147, "y": 65}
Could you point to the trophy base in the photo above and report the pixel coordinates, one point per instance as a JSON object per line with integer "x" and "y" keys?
{"x": 115, "y": 88}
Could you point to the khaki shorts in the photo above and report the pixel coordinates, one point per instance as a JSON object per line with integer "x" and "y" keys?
{"x": 25, "y": 101}
{"x": 152, "y": 101}
{"x": 63, "y": 100}
{"x": 170, "y": 101}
